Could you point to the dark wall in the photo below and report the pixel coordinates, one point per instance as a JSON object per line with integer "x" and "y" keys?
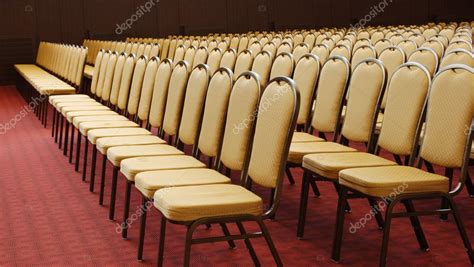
{"x": 25, "y": 22}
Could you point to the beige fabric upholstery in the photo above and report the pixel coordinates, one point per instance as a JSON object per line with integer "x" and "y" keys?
{"x": 189, "y": 55}
{"x": 330, "y": 164}
{"x": 406, "y": 95}
{"x": 118, "y": 153}
{"x": 109, "y": 72}
{"x": 95, "y": 134}
{"x": 215, "y": 110}
{"x": 450, "y": 103}
{"x": 103, "y": 144}
{"x": 87, "y": 126}
{"x": 73, "y": 114}
{"x": 322, "y": 52}
{"x": 243, "y": 63}
{"x": 458, "y": 57}
{"x": 387, "y": 181}
{"x": 78, "y": 120}
{"x": 228, "y": 59}
{"x": 95, "y": 76}
{"x": 299, "y": 150}
{"x": 193, "y": 105}
{"x": 381, "y": 45}
{"x": 237, "y": 135}
{"x": 88, "y": 71}
{"x": 262, "y": 65}
{"x": 66, "y": 110}
{"x": 391, "y": 57}
{"x": 271, "y": 133}
{"x": 341, "y": 50}
{"x": 282, "y": 66}
{"x": 302, "y": 137}
{"x": 132, "y": 166}
{"x": 408, "y": 46}
{"x": 190, "y": 203}
{"x": 125, "y": 82}
{"x": 175, "y": 98}
{"x": 364, "y": 90}
{"x": 425, "y": 57}
{"x": 436, "y": 45}
{"x": 102, "y": 73}
{"x": 160, "y": 93}
{"x": 214, "y": 59}
{"x": 200, "y": 57}
{"x": 147, "y": 89}
{"x": 330, "y": 93}
{"x": 117, "y": 77}
{"x": 149, "y": 182}
{"x": 136, "y": 85}
{"x": 306, "y": 76}
{"x": 299, "y": 51}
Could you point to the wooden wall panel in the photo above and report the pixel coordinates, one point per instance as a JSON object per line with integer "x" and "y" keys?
{"x": 102, "y": 17}
{"x": 147, "y": 25}
{"x": 203, "y": 16}
{"x": 168, "y": 17}
{"x": 48, "y": 20}
{"x": 72, "y": 21}
{"x": 295, "y": 14}
{"x": 237, "y": 16}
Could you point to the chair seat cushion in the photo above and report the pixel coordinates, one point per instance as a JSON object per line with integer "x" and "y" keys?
{"x": 66, "y": 110}
{"x": 329, "y": 164}
{"x": 190, "y": 203}
{"x": 392, "y": 180}
{"x": 302, "y": 137}
{"x": 87, "y": 126}
{"x": 103, "y": 144}
{"x": 116, "y": 154}
{"x": 73, "y": 114}
{"x": 149, "y": 182}
{"x": 88, "y": 71}
{"x": 78, "y": 120}
{"x": 130, "y": 167}
{"x": 59, "y": 103}
{"x": 95, "y": 134}
{"x": 85, "y": 103}
{"x": 52, "y": 99}
{"x": 299, "y": 150}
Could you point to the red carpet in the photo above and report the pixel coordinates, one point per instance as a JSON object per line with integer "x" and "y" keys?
{"x": 48, "y": 217}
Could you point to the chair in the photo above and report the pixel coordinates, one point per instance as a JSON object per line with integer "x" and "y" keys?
{"x": 200, "y": 57}
{"x": 240, "y": 203}
{"x": 310, "y": 40}
{"x": 377, "y": 36}
{"x": 164, "y": 49}
{"x": 255, "y": 47}
{"x": 444, "y": 144}
{"x": 228, "y": 59}
{"x": 459, "y": 44}
{"x": 361, "y": 42}
{"x": 243, "y": 44}
{"x": 407, "y": 92}
{"x": 457, "y": 56}
{"x": 284, "y": 47}
{"x": 341, "y": 50}
{"x": 282, "y": 66}
{"x": 322, "y": 52}
{"x": 417, "y": 38}
{"x": 179, "y": 54}
{"x": 262, "y": 64}
{"x": 300, "y": 50}
{"x": 214, "y": 60}
{"x": 362, "y": 53}
{"x": 426, "y": 57}
{"x": 408, "y": 47}
{"x": 243, "y": 63}
{"x": 189, "y": 55}
{"x": 436, "y": 46}
{"x": 392, "y": 57}
{"x": 381, "y": 45}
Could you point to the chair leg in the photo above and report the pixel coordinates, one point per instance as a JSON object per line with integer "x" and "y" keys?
{"x": 187, "y": 246}
{"x": 46, "y": 109}
{"x": 66, "y": 138}
{"x": 469, "y": 186}
{"x": 60, "y": 140}
{"x": 226, "y": 232}
{"x": 141, "y": 239}
{"x": 126, "y": 209}
{"x": 315, "y": 188}
{"x": 341, "y": 203}
{"x": 462, "y": 230}
{"x": 378, "y": 216}
{"x": 93, "y": 166}
{"x": 415, "y": 223}
{"x": 347, "y": 208}
{"x": 54, "y": 122}
{"x": 113, "y": 193}
{"x": 78, "y": 151}
{"x": 386, "y": 234}
{"x": 289, "y": 175}
{"x": 84, "y": 163}
{"x": 56, "y": 129}
{"x": 248, "y": 244}
{"x": 71, "y": 146}
{"x": 102, "y": 180}
{"x": 161, "y": 249}
{"x": 269, "y": 241}
{"x": 303, "y": 205}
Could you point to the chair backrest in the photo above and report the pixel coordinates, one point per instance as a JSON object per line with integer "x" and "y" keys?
{"x": 222, "y": 45}
{"x": 322, "y": 52}
{"x": 408, "y": 47}
{"x": 141, "y": 50}
{"x": 117, "y": 77}
{"x": 172, "y": 48}
{"x": 330, "y": 93}
{"x": 310, "y": 39}
{"x": 125, "y": 82}
{"x": 406, "y": 93}
{"x": 164, "y": 49}
{"x": 102, "y": 71}
{"x": 179, "y": 53}
{"x": 136, "y": 85}
{"x": 273, "y": 133}
{"x": 261, "y": 65}
{"x": 341, "y": 50}
{"x": 377, "y": 36}
{"x": 240, "y": 119}
{"x": 214, "y": 60}
{"x": 80, "y": 66}
{"x": 134, "y": 49}
{"x": 300, "y": 50}
{"x": 436, "y": 46}
{"x": 458, "y": 56}
{"x": 193, "y": 106}
{"x": 396, "y": 39}
{"x": 175, "y": 98}
{"x": 381, "y": 45}
{"x": 365, "y": 92}
{"x": 284, "y": 47}
{"x": 200, "y": 57}
{"x": 215, "y": 111}
{"x": 449, "y": 120}
{"x": 270, "y": 47}
{"x": 282, "y": 66}
{"x": 243, "y": 63}
{"x": 243, "y": 44}
{"x": 362, "y": 53}
{"x": 234, "y": 43}
{"x": 417, "y": 38}
{"x": 459, "y": 44}
{"x": 361, "y": 42}
{"x": 255, "y": 47}
{"x": 109, "y": 75}
{"x": 306, "y": 76}
{"x": 189, "y": 55}
{"x": 392, "y": 57}
{"x": 147, "y": 88}
{"x": 228, "y": 59}
{"x": 160, "y": 93}
{"x": 426, "y": 57}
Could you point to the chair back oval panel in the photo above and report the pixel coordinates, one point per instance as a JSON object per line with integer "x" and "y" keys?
{"x": 125, "y": 82}
{"x": 103, "y": 68}
{"x": 147, "y": 89}
{"x": 282, "y": 66}
{"x": 160, "y": 93}
{"x": 306, "y": 76}
{"x": 136, "y": 85}
{"x": 109, "y": 72}
{"x": 114, "y": 91}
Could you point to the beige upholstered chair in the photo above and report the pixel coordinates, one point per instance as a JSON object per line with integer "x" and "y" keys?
{"x": 426, "y": 57}
{"x": 341, "y": 50}
{"x": 284, "y": 47}
{"x": 457, "y": 56}
{"x": 262, "y": 64}
{"x": 200, "y": 56}
{"x": 282, "y": 66}
{"x": 408, "y": 47}
{"x": 381, "y": 45}
{"x": 322, "y": 52}
{"x": 214, "y": 60}
{"x": 445, "y": 143}
{"x": 362, "y": 53}
{"x": 300, "y": 50}
{"x": 228, "y": 59}
{"x": 392, "y": 57}
{"x": 436, "y": 46}
{"x": 243, "y": 63}
{"x": 240, "y": 203}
